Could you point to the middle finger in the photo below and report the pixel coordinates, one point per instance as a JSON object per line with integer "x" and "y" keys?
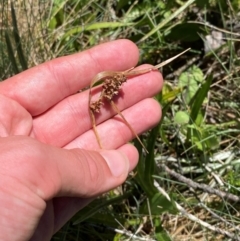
{"x": 70, "y": 118}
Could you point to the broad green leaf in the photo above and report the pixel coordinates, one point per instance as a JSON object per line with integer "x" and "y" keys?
{"x": 190, "y": 80}
{"x": 181, "y": 117}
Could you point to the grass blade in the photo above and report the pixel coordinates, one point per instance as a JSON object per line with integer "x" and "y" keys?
{"x": 87, "y": 213}
{"x": 163, "y": 23}
{"x": 197, "y": 100}
{"x": 95, "y": 26}
{"x": 17, "y": 39}
{"x": 11, "y": 54}
{"x": 146, "y": 166}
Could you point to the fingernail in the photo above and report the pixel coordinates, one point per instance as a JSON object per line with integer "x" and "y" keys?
{"x": 117, "y": 162}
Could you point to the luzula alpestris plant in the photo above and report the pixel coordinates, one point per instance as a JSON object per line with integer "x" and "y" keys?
{"x": 111, "y": 84}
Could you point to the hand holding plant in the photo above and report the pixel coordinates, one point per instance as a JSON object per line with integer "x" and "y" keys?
{"x": 51, "y": 165}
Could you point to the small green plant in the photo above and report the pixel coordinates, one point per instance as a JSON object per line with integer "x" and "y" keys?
{"x": 192, "y": 121}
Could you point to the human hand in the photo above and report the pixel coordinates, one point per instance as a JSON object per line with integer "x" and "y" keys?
{"x": 51, "y": 165}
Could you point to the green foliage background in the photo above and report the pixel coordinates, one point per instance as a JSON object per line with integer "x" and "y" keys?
{"x": 198, "y": 136}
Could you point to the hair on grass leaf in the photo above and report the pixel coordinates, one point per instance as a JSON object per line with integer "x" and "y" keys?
{"x": 111, "y": 84}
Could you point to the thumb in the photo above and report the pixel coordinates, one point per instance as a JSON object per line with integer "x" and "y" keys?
{"x": 90, "y": 173}
{"x": 117, "y": 162}
{"x": 51, "y": 171}
{"x": 82, "y": 173}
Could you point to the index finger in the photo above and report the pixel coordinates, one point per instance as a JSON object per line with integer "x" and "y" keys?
{"x": 43, "y": 86}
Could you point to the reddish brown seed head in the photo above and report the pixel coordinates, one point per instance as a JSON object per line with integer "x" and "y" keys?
{"x": 112, "y": 85}
{"x": 95, "y": 106}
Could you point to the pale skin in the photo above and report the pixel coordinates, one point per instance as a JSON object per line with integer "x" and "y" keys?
{"x": 51, "y": 164}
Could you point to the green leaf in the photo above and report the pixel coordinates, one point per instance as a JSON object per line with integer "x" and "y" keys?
{"x": 160, "y": 232}
{"x": 191, "y": 32}
{"x": 146, "y": 165}
{"x": 208, "y": 141}
{"x": 58, "y": 6}
{"x": 121, "y": 4}
{"x": 158, "y": 204}
{"x": 197, "y": 101}
{"x": 94, "y": 207}
{"x": 95, "y": 26}
{"x": 181, "y": 117}
{"x": 11, "y": 53}
{"x": 200, "y": 118}
{"x": 107, "y": 218}
{"x": 203, "y": 3}
{"x": 170, "y": 95}
{"x": 190, "y": 80}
